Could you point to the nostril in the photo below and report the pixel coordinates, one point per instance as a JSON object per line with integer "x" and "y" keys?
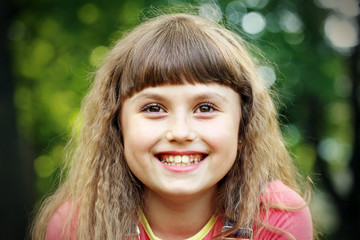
{"x": 180, "y": 134}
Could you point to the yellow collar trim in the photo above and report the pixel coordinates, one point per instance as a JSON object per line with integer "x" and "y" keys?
{"x": 200, "y": 235}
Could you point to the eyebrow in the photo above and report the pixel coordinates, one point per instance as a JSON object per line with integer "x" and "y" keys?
{"x": 198, "y": 97}
{"x": 211, "y": 95}
{"x": 154, "y": 96}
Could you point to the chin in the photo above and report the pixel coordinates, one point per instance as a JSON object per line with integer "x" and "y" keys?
{"x": 185, "y": 192}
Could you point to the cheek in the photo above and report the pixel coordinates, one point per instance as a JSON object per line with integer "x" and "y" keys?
{"x": 136, "y": 145}
{"x": 139, "y": 136}
{"x": 222, "y": 136}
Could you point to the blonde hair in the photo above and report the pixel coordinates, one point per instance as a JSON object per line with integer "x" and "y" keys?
{"x": 104, "y": 194}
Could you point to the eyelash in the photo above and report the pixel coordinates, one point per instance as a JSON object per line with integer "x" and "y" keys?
{"x": 206, "y": 104}
{"x": 148, "y": 107}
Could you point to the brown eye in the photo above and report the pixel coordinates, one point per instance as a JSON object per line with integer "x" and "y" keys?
{"x": 153, "y": 108}
{"x": 205, "y": 108}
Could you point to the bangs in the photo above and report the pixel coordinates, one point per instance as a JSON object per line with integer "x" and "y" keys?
{"x": 176, "y": 51}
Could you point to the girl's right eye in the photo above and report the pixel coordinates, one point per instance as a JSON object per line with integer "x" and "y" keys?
{"x": 153, "y": 108}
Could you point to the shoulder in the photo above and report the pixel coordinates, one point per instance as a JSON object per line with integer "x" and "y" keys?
{"x": 288, "y": 212}
{"x": 56, "y": 229}
{"x": 277, "y": 192}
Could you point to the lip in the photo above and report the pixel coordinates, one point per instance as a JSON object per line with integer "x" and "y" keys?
{"x": 186, "y": 168}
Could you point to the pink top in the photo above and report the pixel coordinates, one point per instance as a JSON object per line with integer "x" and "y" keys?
{"x": 296, "y": 222}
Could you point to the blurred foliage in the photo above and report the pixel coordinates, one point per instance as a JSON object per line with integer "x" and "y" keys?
{"x": 56, "y": 45}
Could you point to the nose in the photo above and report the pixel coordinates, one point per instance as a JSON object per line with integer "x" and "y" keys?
{"x": 180, "y": 128}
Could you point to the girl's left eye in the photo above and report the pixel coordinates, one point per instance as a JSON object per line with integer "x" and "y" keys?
{"x": 152, "y": 108}
{"x": 205, "y": 108}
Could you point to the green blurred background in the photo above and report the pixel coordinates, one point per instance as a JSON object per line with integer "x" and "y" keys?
{"x": 49, "y": 50}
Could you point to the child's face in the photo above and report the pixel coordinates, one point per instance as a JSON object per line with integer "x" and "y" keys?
{"x": 181, "y": 139}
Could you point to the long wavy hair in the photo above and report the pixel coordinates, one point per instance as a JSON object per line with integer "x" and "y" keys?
{"x": 104, "y": 194}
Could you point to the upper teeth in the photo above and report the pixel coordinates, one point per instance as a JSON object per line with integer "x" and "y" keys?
{"x": 180, "y": 159}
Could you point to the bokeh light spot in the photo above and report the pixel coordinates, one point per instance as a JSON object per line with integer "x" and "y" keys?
{"x": 349, "y": 8}
{"x": 339, "y": 112}
{"x": 97, "y": 55}
{"x": 88, "y": 13}
{"x": 290, "y": 22}
{"x": 43, "y": 52}
{"x": 267, "y": 74}
{"x": 130, "y": 11}
{"x": 333, "y": 151}
{"x": 253, "y": 23}
{"x": 294, "y": 38}
{"x": 343, "y": 180}
{"x": 44, "y": 166}
{"x": 235, "y": 11}
{"x": 257, "y": 4}
{"x": 210, "y": 11}
{"x": 326, "y": 214}
{"x": 341, "y": 32}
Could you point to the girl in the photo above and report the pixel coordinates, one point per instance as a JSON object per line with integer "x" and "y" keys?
{"x": 179, "y": 140}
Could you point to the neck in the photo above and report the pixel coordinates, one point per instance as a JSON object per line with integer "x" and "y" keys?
{"x": 179, "y": 217}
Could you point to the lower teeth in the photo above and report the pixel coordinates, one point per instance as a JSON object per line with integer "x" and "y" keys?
{"x": 179, "y": 164}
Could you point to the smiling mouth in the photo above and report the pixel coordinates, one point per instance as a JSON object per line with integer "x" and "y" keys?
{"x": 181, "y": 160}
